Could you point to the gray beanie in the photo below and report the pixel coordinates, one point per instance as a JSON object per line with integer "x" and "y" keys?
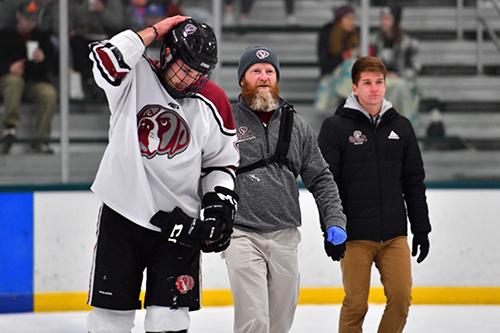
{"x": 257, "y": 54}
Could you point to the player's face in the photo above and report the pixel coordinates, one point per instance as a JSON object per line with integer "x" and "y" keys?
{"x": 180, "y": 76}
{"x": 261, "y": 76}
{"x": 370, "y": 90}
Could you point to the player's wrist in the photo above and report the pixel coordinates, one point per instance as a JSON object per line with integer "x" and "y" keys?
{"x": 155, "y": 31}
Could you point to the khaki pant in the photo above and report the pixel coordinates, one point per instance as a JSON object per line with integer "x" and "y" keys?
{"x": 392, "y": 259}
{"x": 13, "y": 87}
{"x": 264, "y": 276}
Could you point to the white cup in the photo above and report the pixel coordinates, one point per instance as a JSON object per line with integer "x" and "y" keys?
{"x": 31, "y": 46}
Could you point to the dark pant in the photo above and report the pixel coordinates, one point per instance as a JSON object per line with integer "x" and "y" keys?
{"x": 124, "y": 250}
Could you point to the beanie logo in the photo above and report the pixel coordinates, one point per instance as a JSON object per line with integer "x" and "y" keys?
{"x": 189, "y": 29}
{"x": 262, "y": 54}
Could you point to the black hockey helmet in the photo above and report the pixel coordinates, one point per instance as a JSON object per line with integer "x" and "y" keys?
{"x": 192, "y": 42}
{"x": 196, "y": 45}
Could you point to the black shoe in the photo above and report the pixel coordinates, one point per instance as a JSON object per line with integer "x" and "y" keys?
{"x": 41, "y": 148}
{"x": 8, "y": 139}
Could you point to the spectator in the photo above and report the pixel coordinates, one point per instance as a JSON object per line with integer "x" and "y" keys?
{"x": 398, "y": 52}
{"x": 246, "y": 7}
{"x": 91, "y": 21}
{"x": 27, "y": 58}
{"x": 374, "y": 156}
{"x": 337, "y": 49}
{"x": 276, "y": 146}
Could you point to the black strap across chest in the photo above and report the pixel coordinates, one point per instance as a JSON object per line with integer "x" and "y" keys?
{"x": 284, "y": 139}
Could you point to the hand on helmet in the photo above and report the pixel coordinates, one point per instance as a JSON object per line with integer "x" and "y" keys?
{"x": 160, "y": 29}
{"x": 165, "y": 25}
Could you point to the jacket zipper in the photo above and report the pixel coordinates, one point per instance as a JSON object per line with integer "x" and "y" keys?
{"x": 267, "y": 136}
{"x": 381, "y": 225}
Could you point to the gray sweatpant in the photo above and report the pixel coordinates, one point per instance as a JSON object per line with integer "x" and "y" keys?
{"x": 264, "y": 276}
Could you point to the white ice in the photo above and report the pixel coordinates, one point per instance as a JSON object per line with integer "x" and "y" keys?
{"x": 308, "y": 319}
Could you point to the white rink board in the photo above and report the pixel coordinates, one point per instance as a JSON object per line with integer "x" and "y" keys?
{"x": 464, "y": 243}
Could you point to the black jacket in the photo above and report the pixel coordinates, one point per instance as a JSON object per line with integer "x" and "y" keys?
{"x": 13, "y": 48}
{"x": 377, "y": 169}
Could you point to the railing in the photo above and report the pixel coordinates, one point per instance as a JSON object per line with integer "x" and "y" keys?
{"x": 481, "y": 24}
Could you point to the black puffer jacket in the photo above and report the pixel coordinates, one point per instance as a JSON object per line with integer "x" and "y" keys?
{"x": 377, "y": 169}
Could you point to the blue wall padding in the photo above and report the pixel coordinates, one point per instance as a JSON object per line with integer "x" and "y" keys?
{"x": 16, "y": 252}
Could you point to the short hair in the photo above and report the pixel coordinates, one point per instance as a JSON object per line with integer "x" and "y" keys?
{"x": 367, "y": 64}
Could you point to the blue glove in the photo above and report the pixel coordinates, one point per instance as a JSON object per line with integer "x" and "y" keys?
{"x": 335, "y": 235}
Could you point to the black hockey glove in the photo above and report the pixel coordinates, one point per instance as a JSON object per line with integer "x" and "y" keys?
{"x": 335, "y": 252}
{"x": 218, "y": 211}
{"x": 179, "y": 228}
{"x": 420, "y": 240}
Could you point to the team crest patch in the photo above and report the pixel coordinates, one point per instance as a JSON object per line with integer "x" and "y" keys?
{"x": 184, "y": 283}
{"x": 244, "y": 134}
{"x": 161, "y": 131}
{"x": 357, "y": 138}
{"x": 262, "y": 54}
{"x": 189, "y": 29}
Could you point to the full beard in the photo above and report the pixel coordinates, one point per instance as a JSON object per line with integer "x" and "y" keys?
{"x": 261, "y": 100}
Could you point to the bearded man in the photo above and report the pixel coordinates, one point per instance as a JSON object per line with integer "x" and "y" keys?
{"x": 276, "y": 147}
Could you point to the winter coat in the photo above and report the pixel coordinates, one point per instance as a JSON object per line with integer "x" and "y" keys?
{"x": 379, "y": 171}
{"x": 269, "y": 195}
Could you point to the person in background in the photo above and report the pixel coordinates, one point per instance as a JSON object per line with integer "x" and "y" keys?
{"x": 27, "y": 60}
{"x": 374, "y": 156}
{"x": 337, "y": 50}
{"x": 398, "y": 51}
{"x": 276, "y": 147}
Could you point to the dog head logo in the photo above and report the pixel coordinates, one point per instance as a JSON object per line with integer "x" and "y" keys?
{"x": 184, "y": 283}
{"x": 161, "y": 132}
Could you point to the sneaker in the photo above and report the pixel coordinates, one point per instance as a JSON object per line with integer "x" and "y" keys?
{"x": 41, "y": 148}
{"x": 9, "y": 136}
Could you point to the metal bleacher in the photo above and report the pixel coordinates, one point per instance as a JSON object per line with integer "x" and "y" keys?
{"x": 468, "y": 99}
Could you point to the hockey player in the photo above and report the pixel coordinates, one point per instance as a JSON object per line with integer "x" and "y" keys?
{"x": 170, "y": 130}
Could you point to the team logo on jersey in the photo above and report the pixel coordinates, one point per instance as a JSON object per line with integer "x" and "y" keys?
{"x": 262, "y": 54}
{"x": 357, "y": 138}
{"x": 184, "y": 283}
{"x": 161, "y": 132}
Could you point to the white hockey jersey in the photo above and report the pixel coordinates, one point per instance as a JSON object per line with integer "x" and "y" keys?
{"x": 158, "y": 147}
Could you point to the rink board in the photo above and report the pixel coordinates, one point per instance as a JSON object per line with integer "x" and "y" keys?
{"x": 47, "y": 238}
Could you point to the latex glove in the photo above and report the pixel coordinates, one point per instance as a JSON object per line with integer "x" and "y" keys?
{"x": 335, "y": 235}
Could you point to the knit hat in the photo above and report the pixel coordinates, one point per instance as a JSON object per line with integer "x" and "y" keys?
{"x": 342, "y": 11}
{"x": 257, "y": 54}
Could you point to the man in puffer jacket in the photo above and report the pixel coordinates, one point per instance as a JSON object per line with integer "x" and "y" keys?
{"x": 375, "y": 159}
